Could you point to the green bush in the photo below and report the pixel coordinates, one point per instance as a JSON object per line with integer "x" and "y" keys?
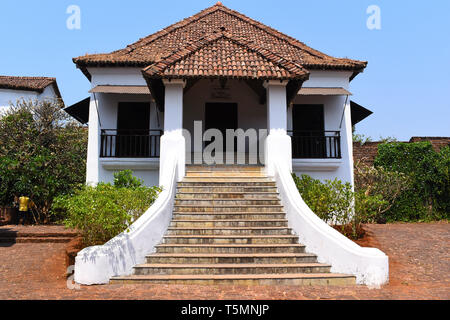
{"x": 429, "y": 195}
{"x": 102, "y": 212}
{"x": 332, "y": 200}
{"x": 368, "y": 207}
{"x": 125, "y": 179}
{"x": 377, "y": 190}
{"x": 42, "y": 154}
{"x": 442, "y": 193}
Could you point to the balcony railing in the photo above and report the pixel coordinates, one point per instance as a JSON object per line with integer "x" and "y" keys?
{"x": 316, "y": 144}
{"x": 130, "y": 143}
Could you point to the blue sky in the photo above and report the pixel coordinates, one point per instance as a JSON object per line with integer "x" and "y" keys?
{"x": 406, "y": 83}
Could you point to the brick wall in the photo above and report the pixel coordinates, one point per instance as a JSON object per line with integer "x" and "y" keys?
{"x": 437, "y": 142}
{"x": 367, "y": 152}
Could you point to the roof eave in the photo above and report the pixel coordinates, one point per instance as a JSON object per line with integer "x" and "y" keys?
{"x": 355, "y": 73}
{"x": 83, "y": 65}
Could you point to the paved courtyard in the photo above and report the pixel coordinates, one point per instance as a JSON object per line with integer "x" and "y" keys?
{"x": 419, "y": 269}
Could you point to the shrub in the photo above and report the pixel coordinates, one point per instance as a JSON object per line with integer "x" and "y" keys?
{"x": 429, "y": 197}
{"x": 42, "y": 154}
{"x": 332, "y": 201}
{"x": 368, "y": 207}
{"x": 102, "y": 212}
{"x": 377, "y": 190}
{"x": 125, "y": 179}
{"x": 443, "y": 182}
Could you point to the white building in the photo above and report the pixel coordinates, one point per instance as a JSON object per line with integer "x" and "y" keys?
{"x": 13, "y": 89}
{"x": 226, "y": 71}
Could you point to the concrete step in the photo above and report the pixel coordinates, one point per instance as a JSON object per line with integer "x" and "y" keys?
{"x": 243, "y": 279}
{"x": 229, "y": 231}
{"x": 225, "y": 189}
{"x": 223, "y": 167}
{"x": 227, "y": 183}
{"x": 230, "y": 239}
{"x": 229, "y": 227}
{"x": 226, "y": 202}
{"x": 198, "y": 223}
{"x": 228, "y": 208}
{"x": 228, "y": 215}
{"x": 230, "y": 248}
{"x": 227, "y": 195}
{"x": 230, "y": 268}
{"x": 226, "y": 174}
{"x": 224, "y": 178}
{"x": 196, "y": 258}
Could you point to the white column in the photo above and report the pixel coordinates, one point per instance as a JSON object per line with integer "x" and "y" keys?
{"x": 93, "y": 150}
{"x": 347, "y": 145}
{"x": 172, "y": 142}
{"x": 278, "y": 143}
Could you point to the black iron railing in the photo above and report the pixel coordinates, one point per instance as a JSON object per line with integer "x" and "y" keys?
{"x": 316, "y": 144}
{"x": 130, "y": 143}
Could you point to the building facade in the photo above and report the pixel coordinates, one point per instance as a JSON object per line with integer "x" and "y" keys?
{"x": 227, "y": 63}
{"x": 220, "y": 88}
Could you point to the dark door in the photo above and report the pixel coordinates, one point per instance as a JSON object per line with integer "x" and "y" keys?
{"x": 308, "y": 117}
{"x": 133, "y": 124}
{"x": 308, "y": 139}
{"x": 221, "y": 116}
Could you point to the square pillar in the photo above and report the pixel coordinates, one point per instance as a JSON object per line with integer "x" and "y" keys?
{"x": 173, "y": 106}
{"x": 93, "y": 149}
{"x": 172, "y": 141}
{"x": 278, "y": 143}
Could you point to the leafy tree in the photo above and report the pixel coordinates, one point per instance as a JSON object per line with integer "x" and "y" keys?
{"x": 361, "y": 138}
{"x": 377, "y": 189}
{"x": 42, "y": 154}
{"x": 387, "y": 139}
{"x": 429, "y": 196}
{"x": 443, "y": 182}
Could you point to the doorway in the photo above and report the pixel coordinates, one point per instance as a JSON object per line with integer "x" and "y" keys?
{"x": 133, "y": 127}
{"x": 221, "y": 116}
{"x": 308, "y": 138}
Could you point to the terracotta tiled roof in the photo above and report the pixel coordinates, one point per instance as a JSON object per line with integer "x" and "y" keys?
{"x": 243, "y": 31}
{"x": 220, "y": 54}
{"x": 37, "y": 84}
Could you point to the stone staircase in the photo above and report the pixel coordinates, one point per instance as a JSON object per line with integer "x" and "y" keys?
{"x": 229, "y": 227}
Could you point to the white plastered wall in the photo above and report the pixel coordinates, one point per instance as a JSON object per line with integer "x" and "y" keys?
{"x": 9, "y": 96}
{"x": 335, "y": 107}
{"x": 251, "y": 114}
{"x": 103, "y": 115}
